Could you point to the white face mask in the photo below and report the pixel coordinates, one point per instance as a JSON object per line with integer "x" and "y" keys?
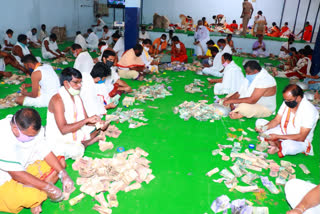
{"x": 178, "y": 45}
{"x": 73, "y": 91}
{"x": 146, "y": 49}
{"x": 75, "y": 54}
{"x": 162, "y": 40}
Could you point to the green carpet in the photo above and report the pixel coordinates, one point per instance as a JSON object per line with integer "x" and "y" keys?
{"x": 180, "y": 152}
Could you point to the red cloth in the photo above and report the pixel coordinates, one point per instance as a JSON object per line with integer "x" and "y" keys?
{"x": 181, "y": 56}
{"x": 233, "y": 27}
{"x": 296, "y": 74}
{"x": 275, "y": 32}
{"x": 283, "y": 30}
{"x": 307, "y": 33}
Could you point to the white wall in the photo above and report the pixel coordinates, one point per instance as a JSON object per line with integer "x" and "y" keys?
{"x": 231, "y": 9}
{"x": 22, "y": 15}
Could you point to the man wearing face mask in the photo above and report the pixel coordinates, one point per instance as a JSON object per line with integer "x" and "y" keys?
{"x": 131, "y": 65}
{"x": 201, "y": 37}
{"x": 149, "y": 62}
{"x": 33, "y": 40}
{"x": 84, "y": 62}
{"x": 256, "y": 96}
{"x": 28, "y": 168}
{"x": 44, "y": 83}
{"x": 160, "y": 44}
{"x": 69, "y": 129}
{"x": 291, "y": 131}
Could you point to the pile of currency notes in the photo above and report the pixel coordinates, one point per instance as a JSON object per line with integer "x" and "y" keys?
{"x": 200, "y": 111}
{"x": 130, "y": 115}
{"x": 177, "y": 66}
{"x": 150, "y": 92}
{"x": 157, "y": 79}
{"x": 194, "y": 87}
{"x": 15, "y": 79}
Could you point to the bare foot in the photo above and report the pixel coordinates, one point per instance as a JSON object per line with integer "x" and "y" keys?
{"x": 235, "y": 115}
{"x": 36, "y": 210}
{"x": 273, "y": 149}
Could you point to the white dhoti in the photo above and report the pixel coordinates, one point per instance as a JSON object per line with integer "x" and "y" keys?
{"x": 296, "y": 190}
{"x": 213, "y": 71}
{"x": 288, "y": 147}
{"x": 37, "y": 102}
{"x": 201, "y": 48}
{"x": 49, "y": 55}
{"x": 2, "y": 64}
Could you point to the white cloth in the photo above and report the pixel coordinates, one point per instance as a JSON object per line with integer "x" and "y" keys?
{"x": 84, "y": 62}
{"x": 42, "y": 35}
{"x": 102, "y": 49}
{"x": 303, "y": 62}
{"x": 103, "y": 94}
{"x": 111, "y": 80}
{"x": 2, "y": 64}
{"x": 6, "y": 38}
{"x": 53, "y": 46}
{"x": 296, "y": 190}
{"x": 25, "y": 51}
{"x": 217, "y": 66}
{"x": 15, "y": 155}
{"x": 119, "y": 47}
{"x": 92, "y": 41}
{"x": 202, "y": 35}
{"x": 283, "y": 54}
{"x": 32, "y": 38}
{"x": 49, "y": 86}
{"x": 88, "y": 94}
{"x": 260, "y": 18}
{"x": 144, "y": 36}
{"x": 147, "y": 60}
{"x": 107, "y": 37}
{"x": 227, "y": 49}
{"x": 232, "y": 80}
{"x": 68, "y": 145}
{"x": 262, "y": 80}
{"x": 80, "y": 40}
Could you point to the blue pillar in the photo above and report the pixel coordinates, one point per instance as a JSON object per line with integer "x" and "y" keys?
{"x": 315, "y": 68}
{"x": 132, "y": 22}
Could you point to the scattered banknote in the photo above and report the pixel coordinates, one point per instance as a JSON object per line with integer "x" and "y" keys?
{"x": 194, "y": 87}
{"x": 269, "y": 185}
{"x": 304, "y": 169}
{"x": 150, "y": 92}
{"x": 222, "y": 203}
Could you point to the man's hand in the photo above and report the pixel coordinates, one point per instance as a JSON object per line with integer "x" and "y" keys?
{"x": 312, "y": 82}
{"x": 93, "y": 120}
{"x": 111, "y": 106}
{"x": 195, "y": 43}
{"x": 273, "y": 137}
{"x": 294, "y": 211}
{"x": 67, "y": 183}
{"x": 7, "y": 74}
{"x": 53, "y": 192}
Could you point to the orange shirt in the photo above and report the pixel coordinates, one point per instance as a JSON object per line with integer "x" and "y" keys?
{"x": 163, "y": 45}
{"x": 307, "y": 33}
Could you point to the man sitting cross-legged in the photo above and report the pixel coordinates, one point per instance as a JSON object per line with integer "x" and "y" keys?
{"x": 256, "y": 96}
{"x": 67, "y": 121}
{"x": 44, "y": 83}
{"x": 291, "y": 131}
{"x": 28, "y": 168}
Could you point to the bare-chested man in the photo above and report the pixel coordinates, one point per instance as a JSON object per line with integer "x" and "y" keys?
{"x": 246, "y": 15}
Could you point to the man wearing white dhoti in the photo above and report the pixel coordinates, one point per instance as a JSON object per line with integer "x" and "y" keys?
{"x": 69, "y": 129}
{"x": 50, "y": 49}
{"x": 80, "y": 40}
{"x": 149, "y": 62}
{"x": 106, "y": 35}
{"x": 291, "y": 131}
{"x": 92, "y": 40}
{"x": 44, "y": 83}
{"x": 84, "y": 62}
{"x": 232, "y": 77}
{"x": 256, "y": 96}
{"x": 201, "y": 37}
{"x": 21, "y": 49}
{"x": 33, "y": 40}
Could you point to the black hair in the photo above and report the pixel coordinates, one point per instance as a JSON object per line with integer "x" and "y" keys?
{"x": 175, "y": 39}
{"x": 34, "y": 29}
{"x": 147, "y": 41}
{"x": 308, "y": 23}
{"x": 286, "y": 23}
{"x": 214, "y": 49}
{"x": 89, "y": 30}
{"x": 260, "y": 35}
{"x": 9, "y": 31}
{"x": 222, "y": 41}
{"x": 29, "y": 59}
{"x": 295, "y": 90}
{"x": 100, "y": 70}
{"x": 138, "y": 47}
{"x": 43, "y": 25}
{"x": 98, "y": 15}
{"x": 78, "y": 32}
{"x": 203, "y": 18}
{"x": 26, "y": 118}
{"x": 214, "y": 17}
{"x": 229, "y": 35}
{"x": 227, "y": 56}
{"x": 307, "y": 47}
{"x": 302, "y": 51}
{"x": 171, "y": 31}
{"x": 116, "y": 35}
{"x": 253, "y": 65}
{"x": 274, "y": 24}
{"x": 260, "y": 12}
{"x": 102, "y": 43}
{"x": 293, "y": 49}
{"x": 68, "y": 73}
{"x": 163, "y": 35}
{"x": 105, "y": 27}
{"x": 108, "y": 53}
{"x": 53, "y": 36}
{"x": 76, "y": 46}
{"x": 22, "y": 37}
{"x": 234, "y": 21}
{"x": 143, "y": 27}
{"x": 210, "y": 42}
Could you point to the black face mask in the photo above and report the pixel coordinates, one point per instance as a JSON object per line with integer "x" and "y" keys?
{"x": 109, "y": 63}
{"x": 291, "y": 104}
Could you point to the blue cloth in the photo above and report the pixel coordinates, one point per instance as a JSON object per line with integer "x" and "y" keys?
{"x": 315, "y": 86}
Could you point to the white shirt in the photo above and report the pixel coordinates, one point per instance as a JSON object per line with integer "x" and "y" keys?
{"x": 106, "y": 36}
{"x": 232, "y": 78}
{"x": 119, "y": 47}
{"x": 53, "y": 46}
{"x": 102, "y": 23}
{"x": 306, "y": 116}
{"x": 262, "y": 80}
{"x": 84, "y": 62}
{"x": 146, "y": 58}
{"x": 227, "y": 49}
{"x": 80, "y": 40}
{"x": 202, "y": 34}
{"x": 283, "y": 54}
{"x": 93, "y": 40}
{"x": 111, "y": 80}
{"x": 43, "y": 35}
{"x": 102, "y": 49}
{"x": 6, "y": 38}
{"x": 15, "y": 155}
{"x": 49, "y": 83}
{"x": 32, "y": 38}
{"x": 144, "y": 36}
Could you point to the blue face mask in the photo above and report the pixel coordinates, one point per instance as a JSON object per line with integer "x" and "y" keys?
{"x": 251, "y": 77}
{"x": 290, "y": 54}
{"x": 101, "y": 81}
{"x": 23, "y": 45}
{"x": 31, "y": 70}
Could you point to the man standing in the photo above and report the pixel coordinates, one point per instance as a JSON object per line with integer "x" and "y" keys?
{"x": 44, "y": 84}
{"x": 246, "y": 15}
{"x": 307, "y": 32}
{"x": 28, "y": 168}
{"x": 201, "y": 37}
{"x": 50, "y": 49}
{"x": 291, "y": 131}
